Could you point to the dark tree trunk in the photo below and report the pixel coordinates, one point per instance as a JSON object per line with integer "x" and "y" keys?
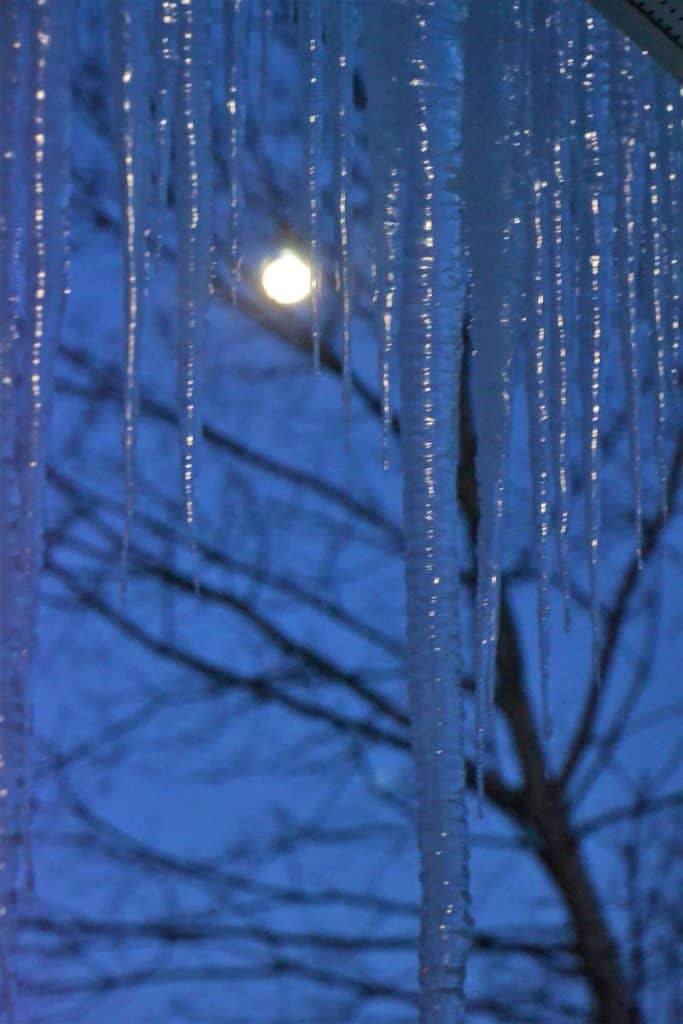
{"x": 595, "y": 946}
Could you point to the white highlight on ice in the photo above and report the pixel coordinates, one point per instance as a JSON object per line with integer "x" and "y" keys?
{"x": 286, "y": 279}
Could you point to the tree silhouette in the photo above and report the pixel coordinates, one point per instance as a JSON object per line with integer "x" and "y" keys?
{"x": 225, "y": 772}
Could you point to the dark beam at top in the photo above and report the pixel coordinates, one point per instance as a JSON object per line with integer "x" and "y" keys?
{"x": 654, "y": 25}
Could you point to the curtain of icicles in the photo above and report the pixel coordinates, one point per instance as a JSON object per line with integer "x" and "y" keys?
{"x": 527, "y": 175}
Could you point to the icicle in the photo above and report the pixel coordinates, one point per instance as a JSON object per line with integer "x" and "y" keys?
{"x": 561, "y": 43}
{"x": 669, "y": 216}
{"x": 33, "y": 115}
{"x": 310, "y": 34}
{"x": 45, "y": 243}
{"x": 235, "y": 21}
{"x": 165, "y": 55}
{"x": 675, "y": 179}
{"x": 393, "y": 215}
{"x": 426, "y": 37}
{"x": 591, "y": 255}
{"x": 131, "y": 102}
{"x": 654, "y": 195}
{"x": 676, "y": 335}
{"x": 192, "y": 191}
{"x": 45, "y": 258}
{"x": 539, "y": 155}
{"x": 518, "y": 247}
{"x": 387, "y": 203}
{"x": 12, "y": 618}
{"x": 489, "y": 177}
{"x": 537, "y": 399}
{"x": 65, "y": 21}
{"x": 49, "y": 96}
{"x": 339, "y": 47}
{"x": 626, "y": 257}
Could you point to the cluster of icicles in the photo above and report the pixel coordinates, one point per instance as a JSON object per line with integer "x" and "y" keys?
{"x": 527, "y": 173}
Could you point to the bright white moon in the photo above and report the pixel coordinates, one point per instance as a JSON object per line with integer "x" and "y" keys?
{"x": 286, "y": 279}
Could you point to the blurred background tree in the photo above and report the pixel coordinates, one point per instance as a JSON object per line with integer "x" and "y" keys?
{"x": 224, "y": 804}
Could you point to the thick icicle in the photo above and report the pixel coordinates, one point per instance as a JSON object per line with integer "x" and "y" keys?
{"x": 235, "y": 22}
{"x": 428, "y": 62}
{"x": 311, "y": 44}
{"x": 489, "y": 163}
{"x": 339, "y": 48}
{"x": 626, "y": 257}
{"x": 193, "y": 212}
{"x": 131, "y": 105}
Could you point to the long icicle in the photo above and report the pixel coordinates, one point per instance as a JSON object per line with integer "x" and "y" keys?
{"x": 387, "y": 202}
{"x": 561, "y": 41}
{"x": 391, "y": 300}
{"x": 591, "y": 256}
{"x": 339, "y": 44}
{"x": 235, "y": 22}
{"x": 489, "y": 170}
{"x": 311, "y": 44}
{"x": 428, "y": 37}
{"x": 674, "y": 177}
{"x": 626, "y": 257}
{"x": 49, "y": 22}
{"x": 13, "y": 663}
{"x": 537, "y": 342}
{"x": 35, "y": 114}
{"x": 655, "y": 195}
{"x": 193, "y": 209}
{"x": 675, "y": 373}
{"x": 130, "y": 95}
{"x": 538, "y": 413}
{"x": 515, "y": 306}
{"x": 44, "y": 253}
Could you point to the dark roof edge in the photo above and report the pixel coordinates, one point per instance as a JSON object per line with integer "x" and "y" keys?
{"x": 645, "y": 32}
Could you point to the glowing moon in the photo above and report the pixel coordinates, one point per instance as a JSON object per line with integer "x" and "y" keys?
{"x": 286, "y": 279}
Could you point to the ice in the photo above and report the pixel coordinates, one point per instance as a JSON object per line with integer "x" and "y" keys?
{"x": 570, "y": 173}
{"x": 34, "y": 115}
{"x": 192, "y": 181}
{"x": 387, "y": 199}
{"x": 235, "y": 36}
{"x": 311, "y": 46}
{"x": 340, "y": 63}
{"x": 165, "y": 55}
{"x": 626, "y": 258}
{"x": 428, "y": 62}
{"x": 130, "y": 96}
{"x": 492, "y": 257}
{"x": 593, "y": 249}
